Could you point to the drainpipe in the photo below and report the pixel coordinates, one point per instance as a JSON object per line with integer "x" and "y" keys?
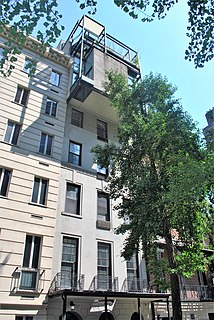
{"x": 64, "y": 298}
{"x": 139, "y": 308}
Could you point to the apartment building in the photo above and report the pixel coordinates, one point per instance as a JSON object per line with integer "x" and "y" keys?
{"x": 60, "y": 257}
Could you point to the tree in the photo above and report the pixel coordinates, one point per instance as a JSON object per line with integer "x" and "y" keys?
{"x": 164, "y": 174}
{"x": 44, "y": 13}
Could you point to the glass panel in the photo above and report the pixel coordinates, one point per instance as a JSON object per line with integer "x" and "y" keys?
{"x": 15, "y": 134}
{"x": 24, "y": 97}
{"x": 54, "y": 107}
{"x": 28, "y": 280}
{"x": 76, "y": 118}
{"x": 48, "y": 106}
{"x": 35, "y": 190}
{"x": 9, "y": 130}
{"x": 72, "y": 203}
{"x": 28, "y": 244}
{"x": 55, "y": 78}
{"x": 101, "y": 129}
{"x": 5, "y": 182}
{"x": 18, "y": 94}
{"x": 103, "y": 207}
{"x": 35, "y": 261}
{"x": 42, "y": 199}
{"x": 42, "y": 143}
{"x": 49, "y": 145}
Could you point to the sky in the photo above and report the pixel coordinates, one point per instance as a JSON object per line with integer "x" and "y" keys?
{"x": 161, "y": 46}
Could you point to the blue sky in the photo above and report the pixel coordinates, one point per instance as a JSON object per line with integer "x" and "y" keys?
{"x": 161, "y": 46}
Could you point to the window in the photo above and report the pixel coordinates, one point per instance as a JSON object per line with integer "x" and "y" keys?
{"x": 103, "y": 207}
{"x": 46, "y": 144}
{"x": 104, "y": 266}
{"x": 102, "y": 172}
{"x": 5, "y": 176}
{"x": 132, "y": 273}
{"x": 69, "y": 264}
{"x": 72, "y": 201}
{"x": 1, "y": 53}
{"x": 55, "y": 78}
{"x": 21, "y": 95}
{"x": 40, "y": 188}
{"x": 28, "y": 66}
{"x": 74, "y": 156}
{"x": 24, "y": 318}
{"x": 102, "y": 130}
{"x": 29, "y": 274}
{"x": 12, "y": 132}
{"x": 51, "y": 107}
{"x": 77, "y": 118}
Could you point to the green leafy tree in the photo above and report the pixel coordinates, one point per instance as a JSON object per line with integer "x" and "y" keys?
{"x": 166, "y": 176}
{"x": 25, "y": 15}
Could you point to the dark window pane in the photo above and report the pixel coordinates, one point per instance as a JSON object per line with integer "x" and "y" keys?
{"x": 24, "y": 97}
{"x": 18, "y": 94}
{"x": 35, "y": 260}
{"x": 101, "y": 130}
{"x": 35, "y": 190}
{"x": 42, "y": 143}
{"x": 49, "y": 145}
{"x": 28, "y": 244}
{"x": 43, "y": 192}
{"x": 5, "y": 179}
{"x": 15, "y": 134}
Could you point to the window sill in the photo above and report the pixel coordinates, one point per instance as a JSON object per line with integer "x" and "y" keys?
{"x": 19, "y": 104}
{"x": 45, "y": 155}
{"x": 10, "y": 144}
{"x": 3, "y": 197}
{"x": 102, "y": 139}
{"x": 37, "y": 204}
{"x": 77, "y": 216}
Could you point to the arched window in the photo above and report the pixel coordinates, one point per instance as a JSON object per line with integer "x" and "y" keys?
{"x": 106, "y": 316}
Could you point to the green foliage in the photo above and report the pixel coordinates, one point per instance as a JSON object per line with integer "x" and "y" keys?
{"x": 15, "y": 14}
{"x": 163, "y": 170}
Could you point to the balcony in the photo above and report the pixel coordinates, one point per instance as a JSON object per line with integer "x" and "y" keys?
{"x": 27, "y": 281}
{"x": 197, "y": 292}
{"x": 67, "y": 280}
{"x": 136, "y": 285}
{"x": 104, "y": 283}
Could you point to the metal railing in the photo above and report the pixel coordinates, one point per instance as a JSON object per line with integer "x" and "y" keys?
{"x": 196, "y": 292}
{"x": 104, "y": 283}
{"x": 28, "y": 279}
{"x": 135, "y": 285}
{"x": 67, "y": 280}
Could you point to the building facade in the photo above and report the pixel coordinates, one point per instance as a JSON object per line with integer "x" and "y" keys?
{"x": 60, "y": 257}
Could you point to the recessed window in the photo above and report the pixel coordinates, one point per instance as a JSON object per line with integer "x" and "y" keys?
{"x": 30, "y": 264}
{"x": 51, "y": 107}
{"x": 55, "y": 78}
{"x": 69, "y": 263}
{"x": 5, "y": 176}
{"x": 102, "y": 172}
{"x": 77, "y": 118}
{"x": 74, "y": 155}
{"x": 29, "y": 66}
{"x": 40, "y": 189}
{"x": 46, "y": 142}
{"x": 102, "y": 130}
{"x": 72, "y": 201}
{"x": 104, "y": 273}
{"x": 12, "y": 132}
{"x": 21, "y": 95}
{"x": 103, "y": 207}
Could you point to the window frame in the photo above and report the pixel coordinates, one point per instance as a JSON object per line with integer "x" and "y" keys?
{"x": 38, "y": 192}
{"x": 55, "y": 78}
{"x": 3, "y": 181}
{"x": 78, "y": 155}
{"x": 52, "y": 107}
{"x": 102, "y": 269}
{"x": 74, "y": 121}
{"x": 101, "y": 194}
{"x": 77, "y": 200}
{"x": 102, "y": 134}
{"x": 22, "y": 95}
{"x": 12, "y": 133}
{"x": 44, "y": 147}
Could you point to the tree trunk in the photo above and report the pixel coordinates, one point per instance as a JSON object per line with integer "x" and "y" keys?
{"x": 174, "y": 280}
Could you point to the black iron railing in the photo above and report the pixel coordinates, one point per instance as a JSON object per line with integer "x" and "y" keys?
{"x": 104, "y": 283}
{"x": 28, "y": 279}
{"x": 196, "y": 292}
{"x": 67, "y": 280}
